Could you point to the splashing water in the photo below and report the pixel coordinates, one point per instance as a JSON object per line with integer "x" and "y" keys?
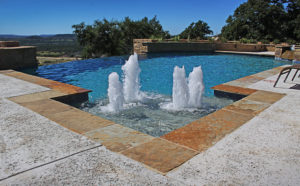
{"x": 115, "y": 94}
{"x": 131, "y": 81}
{"x": 196, "y": 87}
{"x": 180, "y": 92}
{"x": 186, "y": 93}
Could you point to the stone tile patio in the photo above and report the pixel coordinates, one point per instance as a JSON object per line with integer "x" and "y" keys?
{"x": 28, "y": 140}
{"x": 203, "y": 133}
{"x": 253, "y": 141}
{"x": 160, "y": 154}
{"x": 94, "y": 167}
{"x": 118, "y": 138}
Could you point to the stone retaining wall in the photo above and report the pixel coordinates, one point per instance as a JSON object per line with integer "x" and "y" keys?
{"x": 142, "y": 46}
{"x": 179, "y": 47}
{"x": 17, "y": 57}
{"x": 139, "y": 47}
{"x": 241, "y": 47}
{"x": 9, "y": 43}
{"x": 297, "y": 55}
{"x": 285, "y": 52}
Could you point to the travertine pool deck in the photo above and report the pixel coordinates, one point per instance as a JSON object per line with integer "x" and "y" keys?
{"x": 265, "y": 53}
{"x": 256, "y": 140}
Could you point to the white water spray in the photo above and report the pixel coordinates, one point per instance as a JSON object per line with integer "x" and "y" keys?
{"x": 196, "y": 87}
{"x": 115, "y": 94}
{"x": 131, "y": 81}
{"x": 186, "y": 93}
{"x": 180, "y": 92}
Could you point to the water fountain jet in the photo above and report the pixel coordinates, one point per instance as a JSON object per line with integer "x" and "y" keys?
{"x": 196, "y": 87}
{"x": 180, "y": 93}
{"x": 115, "y": 94}
{"x": 131, "y": 79}
{"x": 186, "y": 93}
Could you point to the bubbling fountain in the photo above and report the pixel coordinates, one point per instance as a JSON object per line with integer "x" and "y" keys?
{"x": 186, "y": 93}
{"x": 129, "y": 91}
{"x": 196, "y": 87}
{"x": 131, "y": 81}
{"x": 180, "y": 91}
{"x": 115, "y": 94}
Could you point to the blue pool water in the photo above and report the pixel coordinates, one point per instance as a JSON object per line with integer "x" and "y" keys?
{"x": 156, "y": 80}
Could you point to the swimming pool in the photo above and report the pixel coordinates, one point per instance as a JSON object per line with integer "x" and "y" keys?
{"x": 156, "y": 82}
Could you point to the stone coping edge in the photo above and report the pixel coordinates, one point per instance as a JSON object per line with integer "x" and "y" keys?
{"x": 161, "y": 154}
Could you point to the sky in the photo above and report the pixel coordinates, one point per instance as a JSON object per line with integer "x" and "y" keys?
{"x": 35, "y": 17}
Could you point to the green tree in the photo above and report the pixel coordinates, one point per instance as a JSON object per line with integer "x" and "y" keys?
{"x": 263, "y": 20}
{"x": 293, "y": 19}
{"x": 197, "y": 30}
{"x": 140, "y": 29}
{"x": 115, "y": 37}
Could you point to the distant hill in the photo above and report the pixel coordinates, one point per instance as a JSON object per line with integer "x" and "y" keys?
{"x": 60, "y": 44}
{"x": 12, "y": 36}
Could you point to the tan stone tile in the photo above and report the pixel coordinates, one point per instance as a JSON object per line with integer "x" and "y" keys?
{"x": 194, "y": 135}
{"x": 265, "y": 96}
{"x": 264, "y": 74}
{"x": 29, "y": 78}
{"x": 233, "y": 89}
{"x": 250, "y": 79}
{"x": 245, "y": 106}
{"x": 160, "y": 154}
{"x": 237, "y": 83}
{"x": 36, "y": 96}
{"x": 46, "y": 107}
{"x": 277, "y": 69}
{"x": 79, "y": 121}
{"x": 66, "y": 88}
{"x": 62, "y": 87}
{"x": 245, "y": 81}
{"x": 118, "y": 138}
{"x": 203, "y": 133}
{"x": 6, "y": 71}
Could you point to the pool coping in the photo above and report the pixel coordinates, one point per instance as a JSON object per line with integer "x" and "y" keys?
{"x": 161, "y": 154}
{"x": 262, "y": 54}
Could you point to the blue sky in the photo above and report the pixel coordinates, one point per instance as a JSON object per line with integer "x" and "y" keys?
{"x": 31, "y": 17}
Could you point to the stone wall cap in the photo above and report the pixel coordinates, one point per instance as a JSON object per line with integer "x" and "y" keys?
{"x": 20, "y": 47}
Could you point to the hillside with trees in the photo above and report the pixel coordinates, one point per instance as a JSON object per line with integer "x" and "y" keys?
{"x": 49, "y": 45}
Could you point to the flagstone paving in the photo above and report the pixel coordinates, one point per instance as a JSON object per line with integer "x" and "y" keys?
{"x": 97, "y": 166}
{"x": 118, "y": 138}
{"x": 37, "y": 151}
{"x": 246, "y": 106}
{"x": 16, "y": 87}
{"x": 46, "y": 107}
{"x": 265, "y": 96}
{"x": 160, "y": 154}
{"x": 203, "y": 133}
{"x": 79, "y": 121}
{"x": 36, "y": 96}
{"x": 234, "y": 89}
{"x": 239, "y": 144}
{"x": 28, "y": 140}
{"x": 263, "y": 151}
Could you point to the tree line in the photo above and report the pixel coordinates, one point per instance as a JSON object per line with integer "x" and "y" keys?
{"x": 265, "y": 20}
{"x": 109, "y": 38}
{"x": 115, "y": 37}
{"x": 255, "y": 20}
